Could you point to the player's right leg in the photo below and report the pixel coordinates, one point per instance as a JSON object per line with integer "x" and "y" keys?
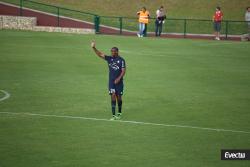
{"x": 119, "y": 93}
{"x": 113, "y": 105}
{"x": 113, "y": 99}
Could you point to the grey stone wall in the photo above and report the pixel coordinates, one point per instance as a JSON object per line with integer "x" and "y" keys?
{"x": 17, "y": 22}
{"x": 29, "y": 23}
{"x": 64, "y": 30}
{"x": 1, "y": 22}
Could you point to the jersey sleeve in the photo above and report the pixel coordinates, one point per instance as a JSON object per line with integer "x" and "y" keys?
{"x": 123, "y": 64}
{"x": 107, "y": 58}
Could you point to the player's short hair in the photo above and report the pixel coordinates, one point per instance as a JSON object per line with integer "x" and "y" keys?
{"x": 115, "y": 48}
{"x": 218, "y": 7}
{"x": 248, "y": 7}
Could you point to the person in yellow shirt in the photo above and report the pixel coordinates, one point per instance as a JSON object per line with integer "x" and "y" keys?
{"x": 143, "y": 20}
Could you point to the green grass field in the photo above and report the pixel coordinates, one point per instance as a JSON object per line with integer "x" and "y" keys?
{"x": 196, "y": 83}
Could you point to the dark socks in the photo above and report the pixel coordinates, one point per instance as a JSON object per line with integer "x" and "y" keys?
{"x": 113, "y": 105}
{"x": 120, "y": 106}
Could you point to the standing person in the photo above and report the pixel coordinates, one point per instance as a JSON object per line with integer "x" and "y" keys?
{"x": 247, "y": 19}
{"x": 117, "y": 70}
{"x": 143, "y": 20}
{"x": 160, "y": 17}
{"x": 217, "y": 18}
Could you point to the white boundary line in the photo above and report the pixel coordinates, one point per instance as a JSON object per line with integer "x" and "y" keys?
{"x": 129, "y": 122}
{"x": 6, "y": 95}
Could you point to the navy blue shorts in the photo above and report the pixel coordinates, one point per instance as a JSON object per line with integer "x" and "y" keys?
{"x": 116, "y": 88}
{"x": 217, "y": 26}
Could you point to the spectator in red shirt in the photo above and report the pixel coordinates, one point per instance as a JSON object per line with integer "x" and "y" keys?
{"x": 217, "y": 18}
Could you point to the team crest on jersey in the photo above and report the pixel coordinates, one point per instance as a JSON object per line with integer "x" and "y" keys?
{"x": 114, "y": 66}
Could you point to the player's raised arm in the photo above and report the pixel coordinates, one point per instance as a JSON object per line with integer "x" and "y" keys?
{"x": 97, "y": 52}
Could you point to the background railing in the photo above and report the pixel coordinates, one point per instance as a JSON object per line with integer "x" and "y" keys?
{"x": 180, "y": 26}
{"x": 57, "y": 11}
{"x": 126, "y": 25}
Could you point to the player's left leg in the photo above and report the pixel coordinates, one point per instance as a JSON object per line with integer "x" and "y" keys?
{"x": 119, "y": 93}
{"x": 119, "y": 101}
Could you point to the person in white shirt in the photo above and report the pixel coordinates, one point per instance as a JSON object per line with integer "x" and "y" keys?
{"x": 247, "y": 17}
{"x": 246, "y": 37}
{"x": 160, "y": 17}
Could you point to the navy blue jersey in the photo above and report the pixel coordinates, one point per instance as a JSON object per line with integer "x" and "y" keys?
{"x": 115, "y": 66}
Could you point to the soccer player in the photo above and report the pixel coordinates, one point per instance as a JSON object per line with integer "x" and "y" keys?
{"x": 217, "y": 18}
{"x": 117, "y": 69}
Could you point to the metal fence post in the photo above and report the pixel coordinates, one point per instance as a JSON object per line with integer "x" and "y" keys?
{"x": 58, "y": 17}
{"x": 226, "y": 29}
{"x": 185, "y": 28}
{"x": 21, "y": 8}
{"x": 120, "y": 20}
{"x": 97, "y": 23}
